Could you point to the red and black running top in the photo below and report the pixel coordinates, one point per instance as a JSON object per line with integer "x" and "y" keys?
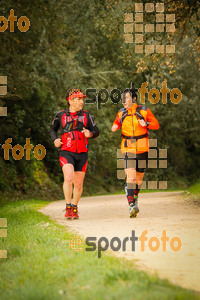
{"x": 71, "y": 125}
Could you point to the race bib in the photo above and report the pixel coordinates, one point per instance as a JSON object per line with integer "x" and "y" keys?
{"x": 69, "y": 142}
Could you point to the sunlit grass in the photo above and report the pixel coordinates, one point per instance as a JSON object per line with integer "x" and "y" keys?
{"x": 40, "y": 265}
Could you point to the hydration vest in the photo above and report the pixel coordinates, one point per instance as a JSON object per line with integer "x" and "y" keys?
{"x": 137, "y": 113}
{"x": 69, "y": 126}
{"x": 139, "y": 116}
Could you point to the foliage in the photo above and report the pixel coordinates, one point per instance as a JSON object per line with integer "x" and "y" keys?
{"x": 81, "y": 44}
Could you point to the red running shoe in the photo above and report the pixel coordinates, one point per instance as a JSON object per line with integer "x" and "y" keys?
{"x": 68, "y": 213}
{"x": 75, "y": 213}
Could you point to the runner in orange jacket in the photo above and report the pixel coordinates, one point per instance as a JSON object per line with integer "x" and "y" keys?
{"x": 134, "y": 121}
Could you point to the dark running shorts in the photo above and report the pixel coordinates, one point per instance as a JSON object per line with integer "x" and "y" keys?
{"x": 78, "y": 160}
{"x": 138, "y": 161}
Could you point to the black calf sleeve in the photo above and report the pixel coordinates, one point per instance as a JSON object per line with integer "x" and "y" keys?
{"x": 136, "y": 190}
{"x": 129, "y": 194}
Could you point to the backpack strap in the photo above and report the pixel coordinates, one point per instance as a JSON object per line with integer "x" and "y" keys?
{"x": 138, "y": 113}
{"x": 124, "y": 114}
{"x": 80, "y": 124}
{"x": 69, "y": 124}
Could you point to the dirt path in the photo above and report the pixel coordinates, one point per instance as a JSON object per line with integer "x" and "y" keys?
{"x": 107, "y": 216}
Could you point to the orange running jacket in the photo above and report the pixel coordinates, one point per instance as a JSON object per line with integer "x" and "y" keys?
{"x": 134, "y": 136}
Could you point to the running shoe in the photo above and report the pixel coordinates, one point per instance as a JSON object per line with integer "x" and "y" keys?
{"x": 133, "y": 210}
{"x": 68, "y": 213}
{"x": 75, "y": 213}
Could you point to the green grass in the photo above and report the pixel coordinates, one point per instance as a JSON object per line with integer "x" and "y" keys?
{"x": 10, "y": 199}
{"x": 122, "y": 192}
{"x": 195, "y": 188}
{"x": 193, "y": 193}
{"x": 40, "y": 265}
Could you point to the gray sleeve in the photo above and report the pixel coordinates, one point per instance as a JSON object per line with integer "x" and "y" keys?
{"x": 54, "y": 127}
{"x": 92, "y": 126}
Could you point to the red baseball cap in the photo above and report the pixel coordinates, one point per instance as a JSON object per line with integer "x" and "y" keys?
{"x": 78, "y": 94}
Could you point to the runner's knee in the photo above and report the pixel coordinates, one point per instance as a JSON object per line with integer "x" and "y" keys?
{"x": 131, "y": 176}
{"x": 130, "y": 180}
{"x": 78, "y": 185}
{"x": 68, "y": 179}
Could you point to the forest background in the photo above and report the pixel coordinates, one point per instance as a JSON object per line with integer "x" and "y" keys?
{"x": 81, "y": 44}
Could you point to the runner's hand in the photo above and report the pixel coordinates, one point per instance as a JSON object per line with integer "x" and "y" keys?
{"x": 142, "y": 123}
{"x": 58, "y": 143}
{"x": 87, "y": 133}
{"x": 114, "y": 128}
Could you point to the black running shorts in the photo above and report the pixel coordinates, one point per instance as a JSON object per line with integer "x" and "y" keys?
{"x": 137, "y": 161}
{"x": 78, "y": 160}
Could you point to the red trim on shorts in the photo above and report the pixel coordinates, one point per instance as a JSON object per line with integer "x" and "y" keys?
{"x": 85, "y": 167}
{"x": 63, "y": 161}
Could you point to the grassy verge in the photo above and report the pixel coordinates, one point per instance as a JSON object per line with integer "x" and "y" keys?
{"x": 40, "y": 265}
{"x": 11, "y": 198}
{"x": 121, "y": 192}
{"x": 195, "y": 188}
{"x": 193, "y": 193}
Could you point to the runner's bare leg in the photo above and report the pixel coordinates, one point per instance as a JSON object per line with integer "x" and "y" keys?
{"x": 68, "y": 172}
{"x": 131, "y": 176}
{"x": 78, "y": 186}
{"x": 139, "y": 178}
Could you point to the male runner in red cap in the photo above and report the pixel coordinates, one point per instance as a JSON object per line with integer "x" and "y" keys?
{"x": 77, "y": 125}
